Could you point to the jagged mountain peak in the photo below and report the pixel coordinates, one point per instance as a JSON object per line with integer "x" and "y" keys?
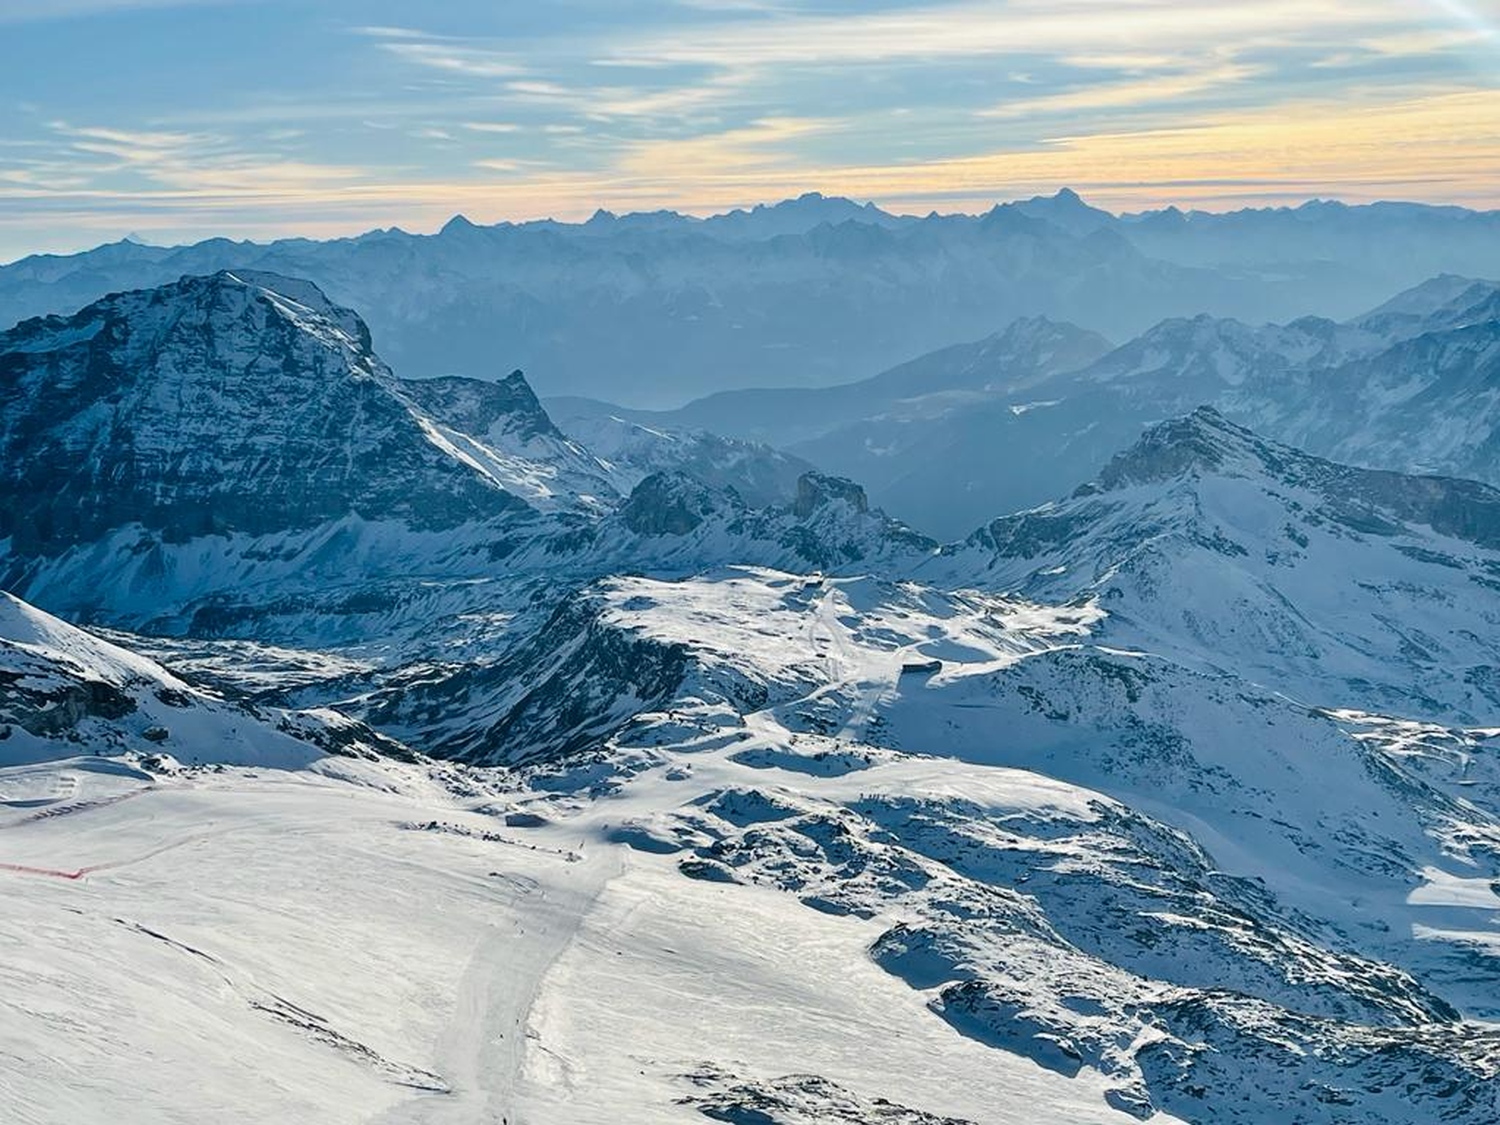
{"x": 294, "y": 297}
{"x": 1183, "y": 469}
{"x": 1067, "y": 200}
{"x": 1068, "y": 210}
{"x": 1205, "y": 539}
{"x": 482, "y": 406}
{"x": 1205, "y": 444}
{"x": 240, "y": 300}
{"x": 235, "y": 402}
{"x": 816, "y": 490}
{"x": 675, "y": 503}
{"x": 516, "y": 384}
{"x": 1203, "y": 441}
{"x": 1205, "y": 358}
{"x": 458, "y": 225}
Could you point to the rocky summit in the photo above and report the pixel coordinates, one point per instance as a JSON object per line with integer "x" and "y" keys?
{"x": 215, "y": 406}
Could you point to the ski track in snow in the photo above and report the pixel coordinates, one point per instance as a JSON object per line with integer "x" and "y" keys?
{"x": 868, "y": 676}
{"x": 482, "y": 1051}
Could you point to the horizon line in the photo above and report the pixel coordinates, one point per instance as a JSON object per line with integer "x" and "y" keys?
{"x": 891, "y": 211}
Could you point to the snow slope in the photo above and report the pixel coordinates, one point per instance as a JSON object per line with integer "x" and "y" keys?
{"x": 220, "y": 959}
{"x": 67, "y": 692}
{"x": 1336, "y": 585}
{"x": 816, "y": 873}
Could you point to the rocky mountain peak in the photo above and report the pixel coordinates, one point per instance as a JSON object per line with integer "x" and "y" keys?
{"x": 457, "y": 226}
{"x": 1068, "y": 210}
{"x": 815, "y": 490}
{"x": 672, "y": 503}
{"x": 234, "y": 402}
{"x": 1202, "y": 442}
{"x": 294, "y": 297}
{"x": 481, "y": 407}
{"x": 1368, "y": 501}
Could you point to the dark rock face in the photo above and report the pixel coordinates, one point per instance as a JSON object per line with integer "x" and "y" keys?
{"x": 723, "y": 1096}
{"x": 1461, "y": 508}
{"x": 670, "y": 504}
{"x": 52, "y": 712}
{"x": 478, "y": 407}
{"x": 1171, "y": 449}
{"x": 211, "y": 406}
{"x": 564, "y": 690}
{"x": 814, "y": 490}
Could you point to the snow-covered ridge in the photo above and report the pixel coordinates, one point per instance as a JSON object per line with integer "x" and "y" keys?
{"x": 64, "y": 691}
{"x": 503, "y": 433}
{"x": 1329, "y": 582}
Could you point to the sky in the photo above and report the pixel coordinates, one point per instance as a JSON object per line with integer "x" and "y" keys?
{"x": 175, "y": 120}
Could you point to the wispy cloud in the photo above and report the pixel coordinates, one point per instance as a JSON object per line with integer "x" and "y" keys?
{"x": 1411, "y": 44}
{"x": 761, "y": 145}
{"x": 454, "y": 58}
{"x": 1131, "y": 93}
{"x": 89, "y": 160}
{"x": 977, "y": 29}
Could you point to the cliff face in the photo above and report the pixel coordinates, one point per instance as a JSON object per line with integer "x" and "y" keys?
{"x": 232, "y": 403}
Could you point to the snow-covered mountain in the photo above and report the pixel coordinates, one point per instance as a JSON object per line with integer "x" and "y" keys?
{"x": 233, "y": 433}
{"x": 229, "y": 449}
{"x": 808, "y": 292}
{"x": 703, "y": 789}
{"x": 1445, "y": 301}
{"x": 920, "y": 436}
{"x": 1005, "y": 363}
{"x": 1342, "y": 586}
{"x": 1426, "y": 404}
{"x": 224, "y": 405}
{"x": 1403, "y": 387}
{"x": 633, "y": 450}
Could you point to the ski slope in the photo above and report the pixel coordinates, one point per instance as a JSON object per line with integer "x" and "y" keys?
{"x": 282, "y": 946}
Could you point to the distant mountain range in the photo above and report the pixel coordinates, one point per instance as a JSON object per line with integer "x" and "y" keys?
{"x": 653, "y": 310}
{"x": 1004, "y": 423}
